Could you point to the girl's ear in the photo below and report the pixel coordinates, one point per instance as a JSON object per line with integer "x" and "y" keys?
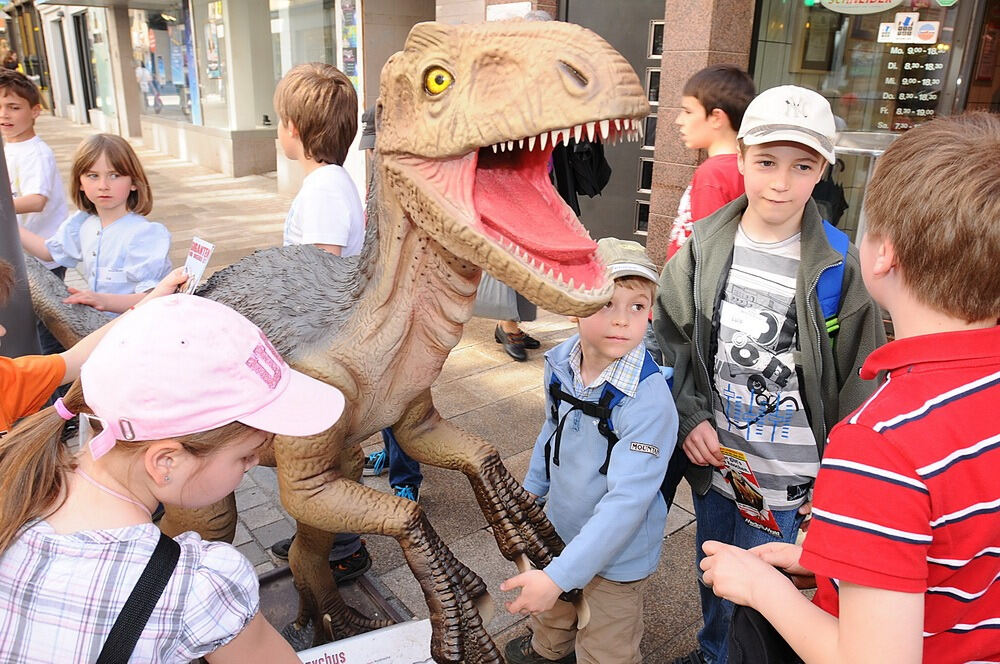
{"x": 160, "y": 459}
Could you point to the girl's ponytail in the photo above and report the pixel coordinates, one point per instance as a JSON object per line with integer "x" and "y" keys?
{"x": 33, "y": 466}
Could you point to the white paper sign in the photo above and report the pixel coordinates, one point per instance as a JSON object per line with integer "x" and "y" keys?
{"x": 906, "y": 26}
{"x": 197, "y": 259}
{"x": 886, "y": 33}
{"x": 405, "y": 643}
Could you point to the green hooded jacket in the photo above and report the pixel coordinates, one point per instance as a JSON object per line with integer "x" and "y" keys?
{"x": 689, "y": 292}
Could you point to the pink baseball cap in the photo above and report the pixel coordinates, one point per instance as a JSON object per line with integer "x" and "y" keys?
{"x": 182, "y": 364}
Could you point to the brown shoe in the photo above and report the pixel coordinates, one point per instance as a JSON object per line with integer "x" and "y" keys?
{"x": 519, "y": 651}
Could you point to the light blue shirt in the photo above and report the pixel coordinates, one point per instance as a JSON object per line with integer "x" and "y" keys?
{"x": 612, "y": 524}
{"x": 129, "y": 256}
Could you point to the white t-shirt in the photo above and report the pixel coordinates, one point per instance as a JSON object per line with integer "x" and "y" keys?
{"x": 327, "y": 210}
{"x": 32, "y": 170}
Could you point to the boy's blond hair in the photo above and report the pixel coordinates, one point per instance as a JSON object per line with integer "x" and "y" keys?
{"x": 321, "y": 102}
{"x": 633, "y": 282}
{"x": 935, "y": 196}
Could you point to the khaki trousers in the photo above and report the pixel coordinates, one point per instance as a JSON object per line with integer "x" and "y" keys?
{"x": 611, "y": 637}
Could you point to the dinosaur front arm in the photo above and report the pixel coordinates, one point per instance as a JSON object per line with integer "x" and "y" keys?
{"x": 518, "y": 522}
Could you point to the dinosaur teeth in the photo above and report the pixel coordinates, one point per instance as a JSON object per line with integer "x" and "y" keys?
{"x": 494, "y": 146}
{"x": 520, "y": 143}
{"x": 570, "y": 284}
{"x": 618, "y": 124}
{"x": 590, "y": 130}
{"x": 577, "y": 130}
{"x": 565, "y": 137}
{"x": 510, "y": 146}
{"x": 543, "y": 138}
{"x": 531, "y": 143}
{"x": 604, "y": 129}
{"x": 642, "y": 130}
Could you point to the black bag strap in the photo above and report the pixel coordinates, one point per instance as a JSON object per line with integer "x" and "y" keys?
{"x": 138, "y": 607}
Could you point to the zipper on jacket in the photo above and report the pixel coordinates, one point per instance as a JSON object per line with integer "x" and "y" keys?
{"x": 697, "y": 318}
{"x": 819, "y": 339}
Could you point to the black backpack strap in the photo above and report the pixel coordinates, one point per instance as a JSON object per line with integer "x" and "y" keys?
{"x": 138, "y": 607}
{"x": 605, "y": 427}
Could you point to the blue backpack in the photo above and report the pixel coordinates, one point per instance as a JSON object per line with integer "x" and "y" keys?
{"x": 828, "y": 292}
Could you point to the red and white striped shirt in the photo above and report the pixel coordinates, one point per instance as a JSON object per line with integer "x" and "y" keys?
{"x": 908, "y": 493}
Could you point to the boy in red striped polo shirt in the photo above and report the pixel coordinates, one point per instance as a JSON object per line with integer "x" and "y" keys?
{"x": 905, "y": 541}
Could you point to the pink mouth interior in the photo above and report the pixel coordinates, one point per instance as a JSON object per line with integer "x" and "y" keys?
{"x": 515, "y": 200}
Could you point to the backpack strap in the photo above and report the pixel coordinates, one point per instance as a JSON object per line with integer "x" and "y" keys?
{"x": 601, "y": 410}
{"x": 139, "y": 606}
{"x": 831, "y": 280}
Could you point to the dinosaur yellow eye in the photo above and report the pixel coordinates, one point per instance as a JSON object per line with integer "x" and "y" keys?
{"x": 437, "y": 80}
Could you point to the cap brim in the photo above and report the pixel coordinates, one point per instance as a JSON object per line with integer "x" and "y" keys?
{"x": 791, "y": 136}
{"x": 306, "y": 407}
{"x": 632, "y": 270}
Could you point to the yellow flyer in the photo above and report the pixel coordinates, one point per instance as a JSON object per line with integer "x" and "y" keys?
{"x": 746, "y": 489}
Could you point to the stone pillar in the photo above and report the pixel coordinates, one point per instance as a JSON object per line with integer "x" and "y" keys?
{"x": 250, "y": 70}
{"x": 127, "y": 95}
{"x": 697, "y": 33}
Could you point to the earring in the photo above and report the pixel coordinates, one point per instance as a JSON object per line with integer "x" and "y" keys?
{"x": 166, "y": 479}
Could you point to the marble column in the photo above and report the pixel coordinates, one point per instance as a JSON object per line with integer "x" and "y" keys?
{"x": 697, "y": 33}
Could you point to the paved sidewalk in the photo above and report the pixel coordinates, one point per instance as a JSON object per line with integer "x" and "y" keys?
{"x": 480, "y": 389}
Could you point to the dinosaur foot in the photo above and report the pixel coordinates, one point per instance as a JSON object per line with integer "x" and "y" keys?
{"x": 519, "y": 524}
{"x": 454, "y": 595}
{"x": 300, "y": 637}
{"x": 349, "y": 622}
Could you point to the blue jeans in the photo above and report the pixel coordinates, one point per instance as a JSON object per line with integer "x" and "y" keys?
{"x": 402, "y": 469}
{"x": 718, "y": 519}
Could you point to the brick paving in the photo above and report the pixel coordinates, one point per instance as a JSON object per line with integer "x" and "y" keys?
{"x": 480, "y": 389}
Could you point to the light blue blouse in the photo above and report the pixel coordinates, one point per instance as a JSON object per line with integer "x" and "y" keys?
{"x": 129, "y": 256}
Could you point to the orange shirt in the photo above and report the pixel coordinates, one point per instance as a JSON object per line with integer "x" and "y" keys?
{"x": 26, "y": 383}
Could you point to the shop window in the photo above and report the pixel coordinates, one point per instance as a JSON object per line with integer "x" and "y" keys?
{"x": 655, "y": 47}
{"x": 645, "y": 184}
{"x": 641, "y": 217}
{"x": 653, "y": 85}
{"x": 317, "y": 31}
{"x": 649, "y": 133}
{"x": 165, "y": 65}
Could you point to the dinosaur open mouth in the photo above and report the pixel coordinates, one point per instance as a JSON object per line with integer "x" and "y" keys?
{"x": 518, "y": 207}
{"x": 503, "y": 194}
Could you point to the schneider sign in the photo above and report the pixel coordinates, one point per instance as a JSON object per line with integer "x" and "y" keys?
{"x": 860, "y": 6}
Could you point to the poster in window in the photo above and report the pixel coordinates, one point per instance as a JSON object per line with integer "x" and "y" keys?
{"x": 814, "y": 41}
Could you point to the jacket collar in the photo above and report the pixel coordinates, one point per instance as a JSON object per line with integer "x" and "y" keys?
{"x": 934, "y": 348}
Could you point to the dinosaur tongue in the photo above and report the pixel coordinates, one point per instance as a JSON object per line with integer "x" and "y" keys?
{"x": 515, "y": 199}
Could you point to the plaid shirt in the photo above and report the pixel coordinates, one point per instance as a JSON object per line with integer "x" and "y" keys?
{"x": 623, "y": 373}
{"x": 60, "y": 595}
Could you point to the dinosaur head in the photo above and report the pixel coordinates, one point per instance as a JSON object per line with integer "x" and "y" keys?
{"x": 467, "y": 119}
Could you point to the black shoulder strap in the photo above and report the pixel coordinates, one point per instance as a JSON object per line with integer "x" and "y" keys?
{"x": 138, "y": 607}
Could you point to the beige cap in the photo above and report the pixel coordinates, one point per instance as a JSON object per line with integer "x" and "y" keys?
{"x": 626, "y": 258}
{"x": 790, "y": 113}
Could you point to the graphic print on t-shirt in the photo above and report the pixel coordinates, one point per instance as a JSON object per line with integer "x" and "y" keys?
{"x": 758, "y": 407}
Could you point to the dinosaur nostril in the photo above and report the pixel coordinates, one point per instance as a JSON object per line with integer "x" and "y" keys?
{"x": 574, "y": 73}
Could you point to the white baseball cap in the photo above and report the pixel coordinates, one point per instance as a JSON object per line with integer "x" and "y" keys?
{"x": 790, "y": 113}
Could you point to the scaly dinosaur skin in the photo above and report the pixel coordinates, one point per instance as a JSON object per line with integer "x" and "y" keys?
{"x": 445, "y": 203}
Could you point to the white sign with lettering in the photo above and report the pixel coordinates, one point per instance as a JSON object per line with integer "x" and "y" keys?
{"x": 405, "y": 643}
{"x": 860, "y": 6}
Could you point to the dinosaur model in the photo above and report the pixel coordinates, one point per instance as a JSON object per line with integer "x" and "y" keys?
{"x": 467, "y": 118}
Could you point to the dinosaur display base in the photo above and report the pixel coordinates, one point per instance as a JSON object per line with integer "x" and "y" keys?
{"x": 279, "y": 601}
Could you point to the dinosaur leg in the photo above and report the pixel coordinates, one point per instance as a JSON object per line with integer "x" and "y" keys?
{"x": 318, "y": 593}
{"x": 216, "y": 522}
{"x": 450, "y": 588}
{"x": 518, "y": 523}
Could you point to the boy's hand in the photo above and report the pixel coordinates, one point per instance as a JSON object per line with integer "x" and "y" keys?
{"x": 538, "y": 592}
{"x": 786, "y": 557}
{"x": 702, "y": 445}
{"x": 737, "y": 574}
{"x": 89, "y": 298}
{"x": 806, "y": 510}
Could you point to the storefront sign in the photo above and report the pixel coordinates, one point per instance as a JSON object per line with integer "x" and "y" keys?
{"x": 860, "y": 6}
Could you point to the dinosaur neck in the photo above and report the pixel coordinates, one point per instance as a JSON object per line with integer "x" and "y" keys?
{"x": 421, "y": 287}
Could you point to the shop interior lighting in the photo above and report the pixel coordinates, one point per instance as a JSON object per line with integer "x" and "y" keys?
{"x": 168, "y": 17}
